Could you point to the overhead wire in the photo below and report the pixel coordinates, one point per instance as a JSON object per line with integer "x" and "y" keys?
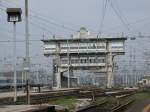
{"x": 130, "y": 23}
{"x": 124, "y": 17}
{"x": 44, "y": 18}
{"x": 19, "y": 33}
{"x": 117, "y": 7}
{"x": 8, "y": 31}
{"x": 119, "y": 16}
{"x": 125, "y": 23}
{"x": 104, "y": 9}
{"x": 48, "y": 21}
{"x": 45, "y": 27}
{"x": 41, "y": 27}
{"x": 34, "y": 24}
{"x": 6, "y": 41}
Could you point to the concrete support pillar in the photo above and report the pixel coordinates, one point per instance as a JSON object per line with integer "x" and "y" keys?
{"x": 93, "y": 80}
{"x": 110, "y": 77}
{"x": 71, "y": 72}
{"x": 78, "y": 81}
{"x": 54, "y": 73}
{"x": 71, "y": 75}
{"x": 58, "y": 78}
{"x": 58, "y": 70}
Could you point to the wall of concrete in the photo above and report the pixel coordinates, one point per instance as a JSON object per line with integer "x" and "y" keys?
{"x": 64, "y": 82}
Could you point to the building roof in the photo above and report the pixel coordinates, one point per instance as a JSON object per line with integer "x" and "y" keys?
{"x": 81, "y": 39}
{"x": 84, "y": 35}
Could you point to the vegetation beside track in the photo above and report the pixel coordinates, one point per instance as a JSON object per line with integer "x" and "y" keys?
{"x": 109, "y": 102}
{"x": 142, "y": 96}
{"x": 67, "y": 101}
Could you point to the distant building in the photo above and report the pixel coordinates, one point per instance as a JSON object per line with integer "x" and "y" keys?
{"x": 145, "y": 81}
{"x": 36, "y": 77}
{"x": 6, "y": 78}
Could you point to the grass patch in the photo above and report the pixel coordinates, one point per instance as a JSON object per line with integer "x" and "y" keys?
{"x": 68, "y": 102}
{"x": 111, "y": 102}
{"x": 142, "y": 96}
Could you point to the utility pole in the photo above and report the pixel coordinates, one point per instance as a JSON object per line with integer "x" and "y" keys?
{"x": 15, "y": 77}
{"x": 68, "y": 55}
{"x": 14, "y": 15}
{"x": 134, "y": 67}
{"x": 27, "y": 51}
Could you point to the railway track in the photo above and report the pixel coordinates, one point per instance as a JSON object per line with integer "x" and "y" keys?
{"x": 44, "y": 97}
{"x": 118, "y": 107}
{"x": 97, "y": 108}
{"x": 122, "y": 107}
{"x": 40, "y": 98}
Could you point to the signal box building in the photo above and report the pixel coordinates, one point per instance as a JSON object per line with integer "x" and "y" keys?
{"x": 82, "y": 51}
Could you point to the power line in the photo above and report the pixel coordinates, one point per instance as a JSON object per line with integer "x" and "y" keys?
{"x": 104, "y": 8}
{"x": 125, "y": 23}
{"x": 131, "y": 23}
{"x": 55, "y": 24}
{"x": 37, "y": 40}
{"x": 119, "y": 16}
{"x": 7, "y": 41}
{"x": 46, "y": 21}
{"x": 34, "y": 24}
{"x": 43, "y": 28}
{"x": 121, "y": 13}
{"x": 43, "y": 18}
{"x": 20, "y": 33}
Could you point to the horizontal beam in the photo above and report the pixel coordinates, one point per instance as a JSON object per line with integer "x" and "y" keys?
{"x": 84, "y": 39}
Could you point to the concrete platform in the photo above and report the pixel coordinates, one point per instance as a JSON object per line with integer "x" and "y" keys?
{"x": 21, "y": 93}
{"x": 26, "y": 108}
{"x": 11, "y": 94}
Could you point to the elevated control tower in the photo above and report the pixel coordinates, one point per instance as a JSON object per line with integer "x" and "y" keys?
{"x": 83, "y": 51}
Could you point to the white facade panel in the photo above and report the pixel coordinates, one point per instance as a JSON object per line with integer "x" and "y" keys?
{"x": 117, "y": 46}
{"x": 85, "y": 47}
{"x": 49, "y": 48}
{"x": 85, "y": 65}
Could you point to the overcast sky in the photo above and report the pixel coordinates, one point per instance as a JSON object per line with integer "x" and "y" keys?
{"x": 64, "y": 17}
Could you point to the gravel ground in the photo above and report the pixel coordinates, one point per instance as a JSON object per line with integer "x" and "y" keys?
{"x": 138, "y": 106}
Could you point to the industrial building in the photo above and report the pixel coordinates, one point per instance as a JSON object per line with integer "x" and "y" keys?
{"x": 82, "y": 51}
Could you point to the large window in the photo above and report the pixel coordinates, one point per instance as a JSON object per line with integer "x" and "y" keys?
{"x": 82, "y": 45}
{"x": 50, "y": 48}
{"x": 101, "y": 47}
{"x": 74, "y": 60}
{"x": 117, "y": 45}
{"x": 64, "y": 61}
